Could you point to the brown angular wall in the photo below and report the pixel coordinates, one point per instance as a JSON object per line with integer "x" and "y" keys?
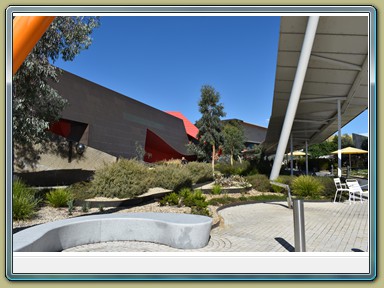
{"x": 116, "y": 122}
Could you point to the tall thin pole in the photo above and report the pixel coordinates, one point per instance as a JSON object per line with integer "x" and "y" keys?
{"x": 295, "y": 94}
{"x": 306, "y": 157}
{"x": 339, "y": 138}
{"x": 291, "y": 155}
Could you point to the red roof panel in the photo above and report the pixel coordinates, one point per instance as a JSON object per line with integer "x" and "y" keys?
{"x": 191, "y": 129}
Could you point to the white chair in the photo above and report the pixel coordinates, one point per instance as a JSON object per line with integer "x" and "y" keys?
{"x": 340, "y": 188}
{"x": 355, "y": 191}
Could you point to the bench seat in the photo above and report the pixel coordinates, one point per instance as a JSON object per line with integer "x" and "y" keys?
{"x": 183, "y": 231}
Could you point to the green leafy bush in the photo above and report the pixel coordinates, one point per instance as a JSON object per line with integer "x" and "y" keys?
{"x": 237, "y": 168}
{"x": 329, "y": 187}
{"x": 123, "y": 179}
{"x": 81, "y": 191}
{"x": 259, "y": 182}
{"x": 130, "y": 178}
{"x": 222, "y": 200}
{"x": 171, "y": 199}
{"x": 70, "y": 207}
{"x": 85, "y": 207}
{"x": 307, "y": 186}
{"x": 197, "y": 201}
{"x": 194, "y": 198}
{"x": 216, "y": 189}
{"x": 200, "y": 210}
{"x": 200, "y": 172}
{"x": 171, "y": 177}
{"x": 59, "y": 197}
{"x": 24, "y": 202}
{"x": 186, "y": 197}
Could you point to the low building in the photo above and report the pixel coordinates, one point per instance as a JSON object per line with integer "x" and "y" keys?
{"x": 99, "y": 126}
{"x": 358, "y": 140}
{"x": 254, "y": 134}
{"x": 116, "y": 124}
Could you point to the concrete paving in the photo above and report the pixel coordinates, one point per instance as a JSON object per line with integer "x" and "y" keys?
{"x": 268, "y": 227}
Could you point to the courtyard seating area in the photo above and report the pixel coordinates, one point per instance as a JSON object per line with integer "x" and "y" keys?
{"x": 353, "y": 188}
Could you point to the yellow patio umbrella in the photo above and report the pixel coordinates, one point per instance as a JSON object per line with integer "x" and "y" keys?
{"x": 350, "y": 151}
{"x": 296, "y": 153}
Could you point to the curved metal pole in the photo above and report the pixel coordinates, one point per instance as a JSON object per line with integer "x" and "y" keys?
{"x": 305, "y": 54}
{"x": 27, "y": 30}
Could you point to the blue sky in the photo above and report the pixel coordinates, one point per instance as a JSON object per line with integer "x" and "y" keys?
{"x": 164, "y": 61}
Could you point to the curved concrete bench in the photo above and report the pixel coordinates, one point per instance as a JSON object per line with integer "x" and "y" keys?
{"x": 184, "y": 231}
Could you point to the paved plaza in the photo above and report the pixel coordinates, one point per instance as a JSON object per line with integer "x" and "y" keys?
{"x": 268, "y": 227}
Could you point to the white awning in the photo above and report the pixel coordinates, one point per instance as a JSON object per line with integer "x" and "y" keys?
{"x": 337, "y": 70}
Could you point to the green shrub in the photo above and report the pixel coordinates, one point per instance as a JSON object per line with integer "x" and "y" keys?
{"x": 194, "y": 198}
{"x": 171, "y": 199}
{"x": 199, "y": 172}
{"x": 81, "y": 191}
{"x": 243, "y": 198}
{"x": 70, "y": 206}
{"x": 307, "y": 186}
{"x": 186, "y": 197}
{"x": 59, "y": 197}
{"x": 24, "y": 202}
{"x": 259, "y": 182}
{"x": 221, "y": 200}
{"x": 85, "y": 207}
{"x": 329, "y": 187}
{"x": 123, "y": 179}
{"x": 199, "y": 210}
{"x": 216, "y": 189}
{"x": 237, "y": 168}
{"x": 171, "y": 177}
{"x": 184, "y": 192}
{"x": 197, "y": 201}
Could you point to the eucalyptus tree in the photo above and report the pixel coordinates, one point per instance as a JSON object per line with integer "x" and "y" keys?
{"x": 209, "y": 125}
{"x": 234, "y": 139}
{"x": 35, "y": 104}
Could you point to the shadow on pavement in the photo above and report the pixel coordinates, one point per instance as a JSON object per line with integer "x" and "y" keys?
{"x": 285, "y": 244}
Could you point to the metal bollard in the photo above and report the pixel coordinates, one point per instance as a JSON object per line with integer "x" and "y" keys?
{"x": 299, "y": 226}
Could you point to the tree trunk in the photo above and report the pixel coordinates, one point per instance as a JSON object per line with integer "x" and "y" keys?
{"x": 231, "y": 157}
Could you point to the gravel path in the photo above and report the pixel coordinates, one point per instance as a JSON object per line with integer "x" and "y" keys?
{"x": 48, "y": 214}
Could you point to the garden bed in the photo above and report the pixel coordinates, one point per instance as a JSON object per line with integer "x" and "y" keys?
{"x": 206, "y": 188}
